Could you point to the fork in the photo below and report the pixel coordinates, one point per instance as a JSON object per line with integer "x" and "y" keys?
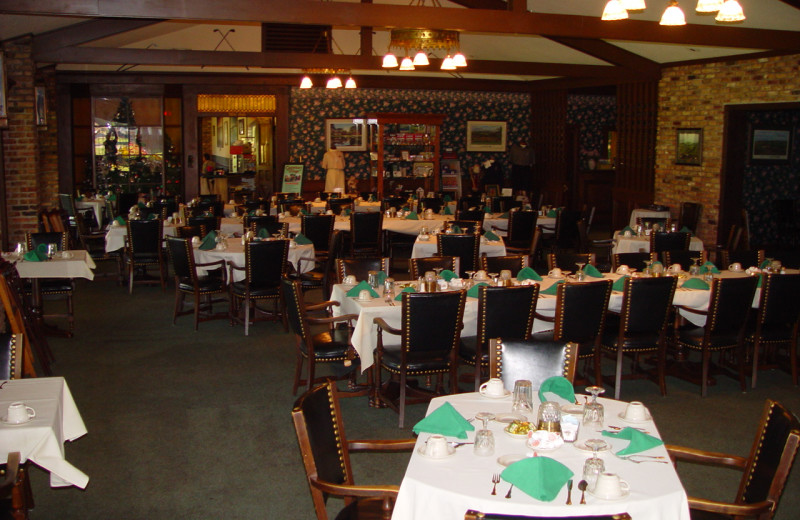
{"x": 495, "y": 481}
{"x": 630, "y": 459}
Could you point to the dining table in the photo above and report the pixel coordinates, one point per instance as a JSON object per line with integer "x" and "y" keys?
{"x": 41, "y": 439}
{"x": 96, "y": 205}
{"x": 301, "y": 256}
{"x": 641, "y": 244}
{"x": 116, "y": 233}
{"x": 445, "y": 488}
{"x": 647, "y": 213}
{"x": 426, "y": 246}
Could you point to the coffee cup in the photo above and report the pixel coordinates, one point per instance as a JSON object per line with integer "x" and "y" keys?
{"x": 736, "y": 266}
{"x": 329, "y": 212}
{"x": 627, "y": 233}
{"x": 554, "y": 273}
{"x": 623, "y": 269}
{"x": 481, "y": 275}
{"x": 364, "y": 296}
{"x": 18, "y": 413}
{"x": 195, "y": 241}
{"x": 457, "y": 283}
{"x": 675, "y": 268}
{"x": 493, "y": 388}
{"x": 609, "y": 486}
{"x": 437, "y": 447}
{"x": 350, "y": 280}
{"x": 292, "y": 244}
{"x": 636, "y": 411}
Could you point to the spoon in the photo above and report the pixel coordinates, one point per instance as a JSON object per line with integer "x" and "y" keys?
{"x": 569, "y": 492}
{"x": 582, "y": 486}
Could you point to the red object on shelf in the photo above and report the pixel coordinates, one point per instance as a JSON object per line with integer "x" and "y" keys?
{"x": 237, "y": 150}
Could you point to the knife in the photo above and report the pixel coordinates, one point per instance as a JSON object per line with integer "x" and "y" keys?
{"x": 569, "y": 492}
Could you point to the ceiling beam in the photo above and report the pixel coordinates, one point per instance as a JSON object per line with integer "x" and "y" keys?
{"x": 348, "y": 14}
{"x": 84, "y": 32}
{"x": 612, "y": 54}
{"x": 498, "y": 5}
{"x": 793, "y": 3}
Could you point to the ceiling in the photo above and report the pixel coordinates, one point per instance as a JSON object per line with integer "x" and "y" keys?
{"x": 517, "y": 41}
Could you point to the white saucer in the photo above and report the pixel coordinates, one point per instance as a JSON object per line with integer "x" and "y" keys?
{"x": 509, "y": 459}
{"x": 623, "y": 495}
{"x": 572, "y": 409}
{"x": 508, "y": 418}
{"x": 489, "y": 396}
{"x": 5, "y": 421}
{"x": 544, "y": 441}
{"x": 450, "y": 451}
{"x": 649, "y": 418}
{"x": 364, "y": 299}
{"x": 581, "y": 445}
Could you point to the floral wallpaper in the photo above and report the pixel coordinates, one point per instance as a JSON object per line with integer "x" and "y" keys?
{"x": 309, "y": 108}
{"x": 764, "y": 183}
{"x": 594, "y": 115}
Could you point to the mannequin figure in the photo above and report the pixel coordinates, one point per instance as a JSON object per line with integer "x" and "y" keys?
{"x": 521, "y": 158}
{"x": 333, "y": 162}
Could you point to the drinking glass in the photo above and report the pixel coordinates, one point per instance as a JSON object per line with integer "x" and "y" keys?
{"x": 593, "y": 412}
{"x": 494, "y": 277}
{"x": 549, "y": 417}
{"x": 51, "y": 251}
{"x": 469, "y": 281}
{"x": 580, "y": 274}
{"x": 593, "y": 465}
{"x": 523, "y": 397}
{"x": 484, "y": 417}
{"x": 694, "y": 270}
{"x": 484, "y": 443}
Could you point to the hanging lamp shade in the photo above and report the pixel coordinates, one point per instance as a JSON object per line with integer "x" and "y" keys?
{"x": 406, "y": 64}
{"x": 389, "y": 61}
{"x": 448, "y": 64}
{"x": 420, "y": 59}
{"x": 459, "y": 60}
{"x": 334, "y": 82}
{"x": 306, "y": 82}
{"x": 634, "y": 5}
{"x": 673, "y": 15}
{"x": 730, "y": 11}
{"x": 614, "y": 10}
{"x": 708, "y": 6}
{"x": 350, "y": 83}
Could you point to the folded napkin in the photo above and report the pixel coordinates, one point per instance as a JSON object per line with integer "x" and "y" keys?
{"x": 504, "y": 215}
{"x": 447, "y": 275}
{"x": 474, "y": 291}
{"x": 553, "y": 289}
{"x": 526, "y": 273}
{"x": 552, "y": 213}
{"x": 347, "y": 212}
{"x": 656, "y": 263}
{"x": 560, "y": 387}
{"x": 447, "y": 198}
{"x": 412, "y": 216}
{"x": 456, "y": 228}
{"x": 251, "y": 213}
{"x": 79, "y": 198}
{"x": 709, "y": 267}
{"x": 640, "y": 441}
{"x": 111, "y": 197}
{"x": 446, "y": 421}
{"x": 304, "y": 211}
{"x": 152, "y": 216}
{"x": 695, "y": 283}
{"x": 362, "y": 286}
{"x": 381, "y": 277}
{"x": 405, "y": 289}
{"x": 685, "y": 229}
{"x": 447, "y": 210}
{"x": 764, "y": 264}
{"x": 37, "y": 255}
{"x": 302, "y": 240}
{"x": 263, "y": 233}
{"x": 491, "y": 236}
{"x": 628, "y": 228}
{"x": 209, "y": 242}
{"x": 120, "y": 221}
{"x": 487, "y": 209}
{"x": 592, "y": 271}
{"x": 619, "y": 285}
{"x": 540, "y": 477}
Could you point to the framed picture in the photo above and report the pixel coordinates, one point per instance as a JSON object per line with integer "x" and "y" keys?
{"x": 771, "y": 144}
{"x": 292, "y": 178}
{"x": 423, "y": 169}
{"x": 486, "y": 136}
{"x": 234, "y": 131}
{"x": 241, "y": 126}
{"x": 349, "y": 135}
{"x": 3, "y": 81}
{"x": 492, "y": 190}
{"x": 220, "y": 126}
{"x": 40, "y": 105}
{"x": 689, "y": 146}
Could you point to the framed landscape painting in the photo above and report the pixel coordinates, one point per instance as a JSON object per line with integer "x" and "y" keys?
{"x": 771, "y": 144}
{"x": 486, "y": 136}
{"x": 689, "y": 146}
{"x": 349, "y": 135}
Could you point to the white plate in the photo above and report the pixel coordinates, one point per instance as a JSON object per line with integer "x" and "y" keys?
{"x": 649, "y": 418}
{"x": 544, "y": 441}
{"x": 489, "y": 396}
{"x": 511, "y": 458}
{"x": 5, "y": 421}
{"x": 581, "y": 445}
{"x": 450, "y": 451}
{"x": 572, "y": 409}
{"x": 623, "y": 495}
{"x": 508, "y": 418}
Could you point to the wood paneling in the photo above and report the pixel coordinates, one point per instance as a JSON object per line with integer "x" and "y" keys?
{"x": 548, "y": 130}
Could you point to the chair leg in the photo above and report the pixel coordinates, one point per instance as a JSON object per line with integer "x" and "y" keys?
{"x": 662, "y": 368}
{"x": 704, "y": 372}
{"x": 130, "y": 278}
{"x": 401, "y": 406}
{"x": 740, "y": 363}
{"x": 70, "y": 312}
{"x": 618, "y": 374}
{"x": 756, "y": 345}
{"x": 311, "y": 372}
{"x": 247, "y": 317}
{"x": 178, "y": 304}
{"x": 598, "y": 368}
{"x": 196, "y": 310}
{"x": 298, "y": 368}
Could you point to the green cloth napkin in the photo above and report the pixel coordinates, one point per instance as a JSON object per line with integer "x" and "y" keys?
{"x": 447, "y": 210}
{"x": 760, "y": 279}
{"x": 79, "y": 198}
{"x": 263, "y": 233}
{"x": 381, "y": 277}
{"x": 447, "y": 198}
{"x": 553, "y": 289}
{"x": 446, "y": 421}
{"x": 592, "y": 271}
{"x": 474, "y": 291}
{"x": 619, "y": 285}
{"x": 656, "y": 263}
{"x": 209, "y": 241}
{"x": 302, "y": 239}
{"x": 640, "y": 441}
{"x": 764, "y": 264}
{"x": 120, "y": 221}
{"x": 347, "y": 212}
{"x": 685, "y": 229}
{"x": 111, "y": 197}
{"x": 540, "y": 477}
{"x": 557, "y": 385}
{"x": 304, "y": 211}
{"x": 405, "y": 289}
{"x": 526, "y": 273}
{"x": 552, "y": 213}
{"x": 695, "y": 283}
{"x": 37, "y": 255}
{"x": 152, "y": 216}
{"x": 456, "y": 229}
{"x": 709, "y": 267}
{"x": 628, "y": 228}
{"x": 362, "y": 286}
{"x": 487, "y": 209}
{"x": 447, "y": 275}
{"x": 412, "y": 216}
{"x": 251, "y": 213}
{"x": 504, "y": 215}
{"x": 491, "y": 236}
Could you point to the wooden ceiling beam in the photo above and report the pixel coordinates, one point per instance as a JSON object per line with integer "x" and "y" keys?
{"x": 84, "y": 32}
{"x": 612, "y": 54}
{"x": 793, "y": 3}
{"x": 348, "y": 14}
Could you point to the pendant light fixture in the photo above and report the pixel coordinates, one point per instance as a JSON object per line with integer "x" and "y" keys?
{"x": 614, "y": 10}
{"x": 333, "y": 81}
{"x": 419, "y": 43}
{"x": 306, "y": 82}
{"x": 634, "y": 5}
{"x": 673, "y": 15}
{"x": 407, "y": 64}
{"x": 730, "y": 11}
{"x": 708, "y": 6}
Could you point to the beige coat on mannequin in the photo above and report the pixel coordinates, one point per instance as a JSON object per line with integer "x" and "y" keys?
{"x": 333, "y": 162}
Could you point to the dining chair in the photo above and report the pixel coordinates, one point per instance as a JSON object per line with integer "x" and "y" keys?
{"x": 789, "y": 259}
{"x": 190, "y": 232}
{"x": 513, "y": 263}
{"x": 265, "y": 265}
{"x": 143, "y": 250}
{"x": 11, "y": 353}
{"x": 323, "y": 272}
{"x": 468, "y": 202}
{"x": 764, "y": 472}
{"x": 202, "y": 288}
{"x": 360, "y": 267}
{"x": 521, "y": 227}
{"x": 252, "y": 205}
{"x": 16, "y": 496}
{"x": 319, "y": 339}
{"x": 340, "y": 205}
{"x": 569, "y": 261}
{"x": 419, "y": 266}
{"x": 94, "y": 243}
{"x": 429, "y": 339}
{"x": 477, "y": 515}
{"x": 211, "y": 223}
{"x": 751, "y": 258}
{"x": 511, "y": 359}
{"x": 466, "y": 226}
{"x": 432, "y": 203}
{"x": 53, "y": 288}
{"x": 775, "y": 325}
{"x": 640, "y": 326}
{"x": 502, "y": 311}
{"x": 566, "y": 234}
{"x": 684, "y": 257}
{"x": 261, "y": 221}
{"x": 689, "y": 216}
{"x": 125, "y": 201}
{"x": 392, "y": 202}
{"x": 502, "y": 204}
{"x": 474, "y": 215}
{"x": 464, "y": 247}
{"x": 325, "y": 449}
{"x": 366, "y": 233}
{"x": 729, "y": 305}
{"x": 660, "y": 224}
{"x": 636, "y": 261}
{"x": 668, "y": 241}
{"x": 318, "y": 229}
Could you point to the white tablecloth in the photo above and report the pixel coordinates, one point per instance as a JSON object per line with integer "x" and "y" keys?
{"x": 96, "y": 205}
{"x": 623, "y": 244}
{"x": 115, "y": 235}
{"x": 646, "y": 213}
{"x": 495, "y": 220}
{"x": 41, "y": 440}
{"x": 367, "y": 207}
{"x": 426, "y": 248}
{"x": 79, "y": 265}
{"x": 445, "y": 489}
{"x": 235, "y": 254}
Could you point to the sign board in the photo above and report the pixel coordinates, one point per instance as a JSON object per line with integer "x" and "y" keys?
{"x": 292, "y": 178}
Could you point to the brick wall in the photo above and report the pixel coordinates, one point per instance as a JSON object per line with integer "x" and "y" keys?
{"x": 694, "y": 96}
{"x": 48, "y": 143}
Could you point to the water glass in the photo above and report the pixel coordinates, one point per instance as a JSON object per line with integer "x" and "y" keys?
{"x": 549, "y": 417}
{"x": 593, "y": 412}
{"x": 52, "y": 249}
{"x": 523, "y": 397}
{"x": 591, "y": 469}
{"x": 484, "y": 443}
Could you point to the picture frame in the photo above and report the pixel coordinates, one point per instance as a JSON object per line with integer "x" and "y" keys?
{"x": 40, "y": 105}
{"x": 486, "y": 136}
{"x": 422, "y": 169}
{"x": 689, "y": 146}
{"x": 492, "y": 190}
{"x": 233, "y": 133}
{"x": 220, "y": 126}
{"x": 770, "y": 144}
{"x": 349, "y": 135}
{"x": 3, "y": 92}
{"x": 292, "y": 181}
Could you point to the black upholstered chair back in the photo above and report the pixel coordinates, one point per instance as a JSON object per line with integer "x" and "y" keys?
{"x": 144, "y": 237}
{"x": 125, "y": 201}
{"x": 655, "y": 223}
{"x": 392, "y": 202}
{"x": 521, "y": 225}
{"x": 339, "y": 205}
{"x": 164, "y": 208}
{"x": 470, "y": 201}
{"x": 666, "y": 241}
{"x": 513, "y": 263}
{"x": 191, "y": 231}
{"x": 431, "y": 323}
{"x": 501, "y": 204}
{"x": 246, "y": 207}
{"x": 506, "y": 311}
{"x": 780, "y": 301}
{"x": 729, "y": 304}
{"x": 632, "y": 260}
{"x": 747, "y": 258}
{"x": 789, "y": 259}
{"x": 59, "y": 238}
{"x": 434, "y": 203}
{"x": 685, "y": 257}
{"x": 292, "y": 293}
{"x": 567, "y": 234}
{"x": 216, "y": 208}
{"x": 569, "y": 261}
{"x": 645, "y": 304}
{"x": 318, "y": 229}
{"x": 463, "y": 246}
{"x": 209, "y": 197}
{"x": 261, "y": 221}
{"x": 293, "y": 206}
{"x": 366, "y": 230}
{"x": 67, "y": 203}
{"x": 689, "y": 216}
{"x": 271, "y": 228}
{"x": 182, "y": 257}
{"x": 581, "y": 310}
{"x": 266, "y": 262}
{"x": 475, "y": 215}
{"x": 10, "y": 356}
{"x": 771, "y": 457}
{"x": 513, "y": 359}
{"x": 419, "y": 266}
{"x": 360, "y": 267}
{"x": 209, "y": 222}
{"x": 467, "y": 226}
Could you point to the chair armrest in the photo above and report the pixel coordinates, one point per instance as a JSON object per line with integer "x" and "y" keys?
{"x": 382, "y": 325}
{"x": 332, "y": 319}
{"x": 345, "y": 490}
{"x": 550, "y": 319}
{"x": 689, "y": 309}
{"x": 498, "y": 228}
{"x": 234, "y": 266}
{"x": 220, "y": 262}
{"x": 323, "y": 305}
{"x": 381, "y": 445}
{"x": 727, "y": 508}
{"x": 682, "y": 453}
